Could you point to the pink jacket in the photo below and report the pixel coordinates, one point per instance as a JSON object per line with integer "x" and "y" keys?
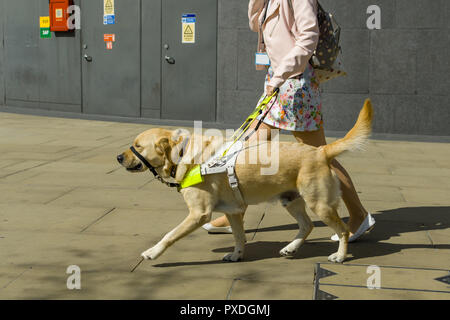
{"x": 289, "y": 39}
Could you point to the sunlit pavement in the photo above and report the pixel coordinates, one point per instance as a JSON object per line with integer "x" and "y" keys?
{"x": 66, "y": 201}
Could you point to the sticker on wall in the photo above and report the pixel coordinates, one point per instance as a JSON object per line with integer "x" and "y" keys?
{"x": 59, "y": 14}
{"x": 109, "y": 39}
{"x": 109, "y": 16}
{"x": 45, "y": 33}
{"x": 44, "y": 24}
{"x": 188, "y": 28}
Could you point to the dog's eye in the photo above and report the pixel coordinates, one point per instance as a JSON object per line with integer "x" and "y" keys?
{"x": 138, "y": 146}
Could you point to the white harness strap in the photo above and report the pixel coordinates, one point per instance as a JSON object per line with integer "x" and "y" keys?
{"x": 234, "y": 184}
{"x": 226, "y": 164}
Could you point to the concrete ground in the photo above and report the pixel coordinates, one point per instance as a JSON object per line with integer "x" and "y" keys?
{"x": 65, "y": 201}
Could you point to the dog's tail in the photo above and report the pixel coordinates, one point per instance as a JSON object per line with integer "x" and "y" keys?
{"x": 357, "y": 137}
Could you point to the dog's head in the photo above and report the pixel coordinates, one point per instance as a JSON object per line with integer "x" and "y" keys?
{"x": 161, "y": 148}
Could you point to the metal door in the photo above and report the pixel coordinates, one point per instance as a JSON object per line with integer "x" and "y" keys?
{"x": 111, "y": 78}
{"x": 2, "y": 66}
{"x": 189, "y": 69}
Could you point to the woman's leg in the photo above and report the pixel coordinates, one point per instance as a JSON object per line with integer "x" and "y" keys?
{"x": 354, "y": 206}
{"x": 262, "y": 134}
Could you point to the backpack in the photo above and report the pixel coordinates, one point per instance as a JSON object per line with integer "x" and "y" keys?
{"x": 326, "y": 59}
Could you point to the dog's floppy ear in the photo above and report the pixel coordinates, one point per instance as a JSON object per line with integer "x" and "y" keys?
{"x": 179, "y": 140}
{"x": 162, "y": 146}
{"x": 179, "y": 154}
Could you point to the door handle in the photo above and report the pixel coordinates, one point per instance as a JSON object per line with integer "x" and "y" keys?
{"x": 170, "y": 60}
{"x": 88, "y": 58}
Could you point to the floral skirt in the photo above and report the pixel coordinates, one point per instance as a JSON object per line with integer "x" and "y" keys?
{"x": 298, "y": 104}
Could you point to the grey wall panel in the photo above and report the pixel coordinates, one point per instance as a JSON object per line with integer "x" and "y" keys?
{"x": 22, "y": 71}
{"x": 237, "y": 105}
{"x": 433, "y": 62}
{"x": 227, "y": 59}
{"x": 402, "y": 114}
{"x": 189, "y": 83}
{"x": 393, "y": 61}
{"x": 341, "y": 110}
{"x": 232, "y": 14}
{"x": 2, "y": 65}
{"x": 355, "y": 63}
{"x": 420, "y": 13}
{"x": 59, "y": 64}
{"x": 39, "y": 73}
{"x": 447, "y": 13}
{"x": 412, "y": 114}
{"x": 248, "y": 77}
{"x": 151, "y": 58}
{"x": 111, "y": 79}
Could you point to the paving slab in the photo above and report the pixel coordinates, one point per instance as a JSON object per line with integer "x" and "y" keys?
{"x": 364, "y": 282}
{"x": 259, "y": 290}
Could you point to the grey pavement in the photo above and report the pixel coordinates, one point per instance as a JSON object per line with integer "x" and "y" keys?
{"x": 65, "y": 201}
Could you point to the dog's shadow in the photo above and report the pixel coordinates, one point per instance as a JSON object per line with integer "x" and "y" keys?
{"x": 389, "y": 223}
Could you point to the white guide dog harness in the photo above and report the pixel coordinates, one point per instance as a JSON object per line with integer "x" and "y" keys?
{"x": 227, "y": 163}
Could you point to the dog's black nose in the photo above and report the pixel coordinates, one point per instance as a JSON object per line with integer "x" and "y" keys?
{"x": 120, "y": 158}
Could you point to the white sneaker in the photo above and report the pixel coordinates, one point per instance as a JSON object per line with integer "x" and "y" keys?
{"x": 366, "y": 226}
{"x": 212, "y": 229}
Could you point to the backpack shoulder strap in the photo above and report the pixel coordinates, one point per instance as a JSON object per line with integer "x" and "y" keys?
{"x": 319, "y": 7}
{"x": 290, "y": 6}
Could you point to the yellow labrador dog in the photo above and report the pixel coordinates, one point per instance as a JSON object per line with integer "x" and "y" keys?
{"x": 304, "y": 178}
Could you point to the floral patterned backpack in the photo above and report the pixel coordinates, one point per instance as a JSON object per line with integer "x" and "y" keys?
{"x": 326, "y": 59}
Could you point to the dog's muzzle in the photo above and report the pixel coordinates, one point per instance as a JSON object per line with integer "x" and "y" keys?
{"x": 138, "y": 167}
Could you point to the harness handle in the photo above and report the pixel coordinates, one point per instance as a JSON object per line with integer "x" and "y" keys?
{"x": 249, "y": 121}
{"x": 260, "y": 121}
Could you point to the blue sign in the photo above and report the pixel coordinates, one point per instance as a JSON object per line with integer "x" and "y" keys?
{"x": 109, "y": 19}
{"x": 188, "y": 18}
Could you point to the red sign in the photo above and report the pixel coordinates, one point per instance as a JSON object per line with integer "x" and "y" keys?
{"x": 109, "y": 37}
{"x": 109, "y": 45}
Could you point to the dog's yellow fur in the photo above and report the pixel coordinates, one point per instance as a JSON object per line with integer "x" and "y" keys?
{"x": 304, "y": 178}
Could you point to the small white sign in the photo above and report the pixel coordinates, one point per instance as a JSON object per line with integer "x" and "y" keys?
{"x": 262, "y": 59}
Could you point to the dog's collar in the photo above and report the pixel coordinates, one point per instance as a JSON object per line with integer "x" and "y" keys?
{"x": 152, "y": 169}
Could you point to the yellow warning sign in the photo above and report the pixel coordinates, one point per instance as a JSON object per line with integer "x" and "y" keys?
{"x": 44, "y": 22}
{"x": 108, "y": 7}
{"x": 188, "y": 35}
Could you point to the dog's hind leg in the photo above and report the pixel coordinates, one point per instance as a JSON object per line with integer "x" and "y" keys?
{"x": 321, "y": 193}
{"x": 296, "y": 208}
{"x": 237, "y": 226}
{"x": 328, "y": 214}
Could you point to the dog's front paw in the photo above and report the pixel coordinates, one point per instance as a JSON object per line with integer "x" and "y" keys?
{"x": 288, "y": 252}
{"x": 292, "y": 248}
{"x": 233, "y": 257}
{"x": 153, "y": 253}
{"x": 336, "y": 257}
